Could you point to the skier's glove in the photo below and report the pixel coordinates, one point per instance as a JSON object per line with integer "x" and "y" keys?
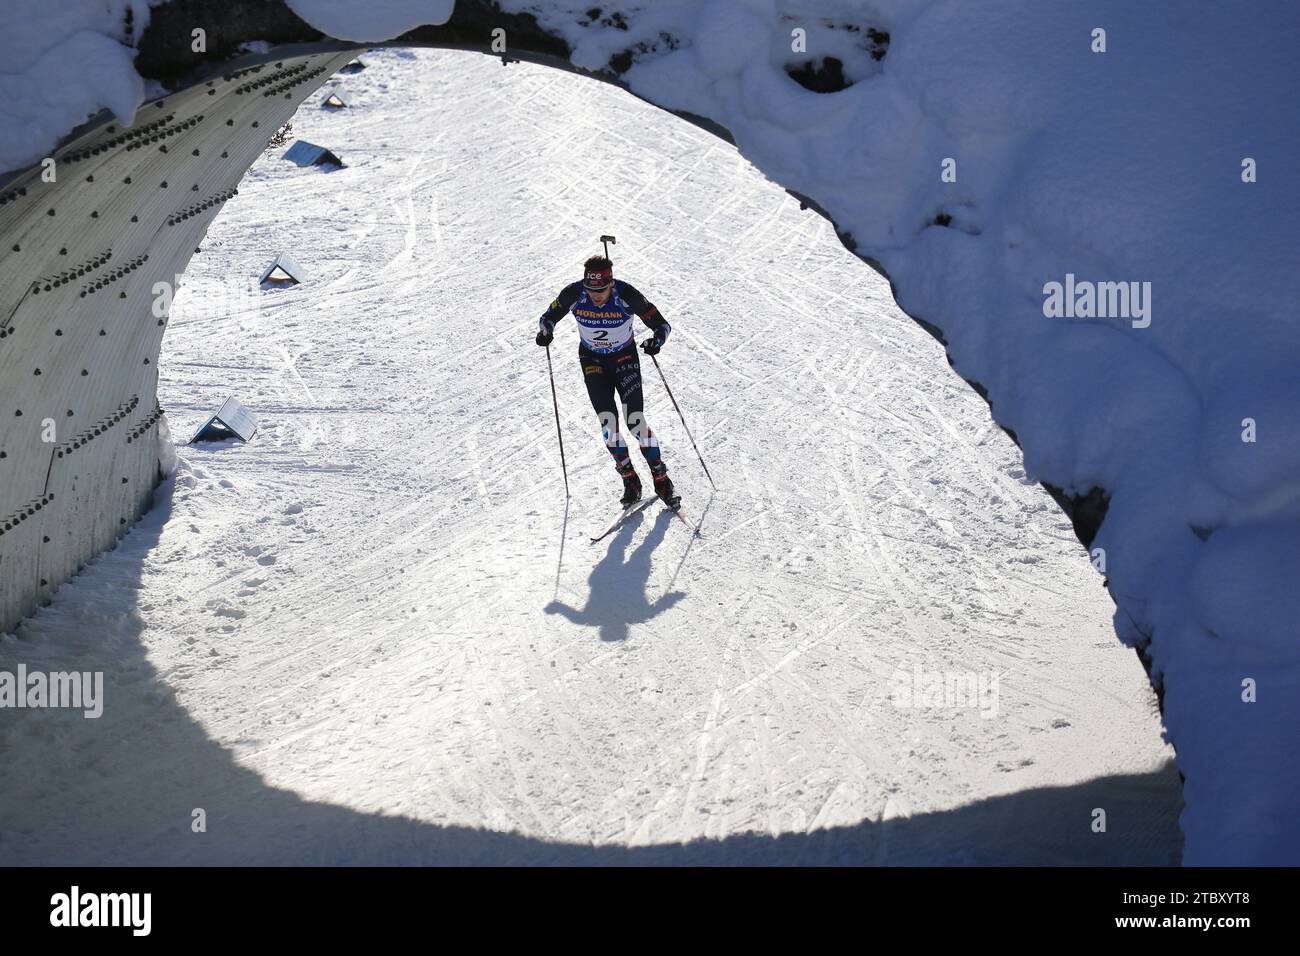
{"x": 545, "y": 333}
{"x": 652, "y": 345}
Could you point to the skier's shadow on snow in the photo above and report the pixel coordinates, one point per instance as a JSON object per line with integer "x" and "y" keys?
{"x": 617, "y": 598}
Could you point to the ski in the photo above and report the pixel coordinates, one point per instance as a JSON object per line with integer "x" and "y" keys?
{"x": 628, "y": 512}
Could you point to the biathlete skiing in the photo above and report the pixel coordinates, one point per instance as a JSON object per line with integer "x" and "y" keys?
{"x": 604, "y": 308}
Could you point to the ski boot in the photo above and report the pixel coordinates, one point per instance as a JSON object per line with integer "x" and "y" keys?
{"x": 631, "y": 485}
{"x": 664, "y": 487}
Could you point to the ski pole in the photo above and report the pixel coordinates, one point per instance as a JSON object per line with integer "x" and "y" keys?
{"x": 684, "y": 425}
{"x": 559, "y": 434}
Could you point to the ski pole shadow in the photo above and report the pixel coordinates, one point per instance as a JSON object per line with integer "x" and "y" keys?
{"x": 617, "y": 597}
{"x": 559, "y": 565}
{"x": 695, "y": 533}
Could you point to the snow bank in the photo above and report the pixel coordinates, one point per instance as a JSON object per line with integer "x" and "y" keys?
{"x": 1066, "y": 163}
{"x": 58, "y": 67}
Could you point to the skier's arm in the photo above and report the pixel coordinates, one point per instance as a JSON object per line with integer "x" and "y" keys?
{"x": 557, "y": 310}
{"x": 649, "y": 314}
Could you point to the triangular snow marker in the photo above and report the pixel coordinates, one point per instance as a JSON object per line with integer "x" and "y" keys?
{"x": 309, "y": 154}
{"x": 283, "y": 271}
{"x": 333, "y": 102}
{"x": 356, "y": 66}
{"x": 232, "y": 420}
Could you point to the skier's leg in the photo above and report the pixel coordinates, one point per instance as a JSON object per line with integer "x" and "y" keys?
{"x": 628, "y": 379}
{"x": 600, "y": 389}
{"x": 627, "y": 370}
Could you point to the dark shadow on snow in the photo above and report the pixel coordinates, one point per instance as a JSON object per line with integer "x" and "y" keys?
{"x": 618, "y": 585}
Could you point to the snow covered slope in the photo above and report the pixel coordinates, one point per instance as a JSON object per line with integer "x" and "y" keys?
{"x": 374, "y": 634}
{"x": 990, "y": 156}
